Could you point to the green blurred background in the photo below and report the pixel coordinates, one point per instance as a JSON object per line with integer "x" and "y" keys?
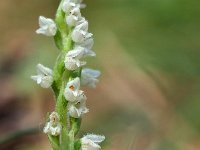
{"x": 148, "y": 52}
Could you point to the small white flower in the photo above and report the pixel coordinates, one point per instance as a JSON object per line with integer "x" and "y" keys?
{"x": 72, "y": 58}
{"x": 53, "y": 130}
{"x": 72, "y": 63}
{"x": 76, "y": 110}
{"x": 47, "y": 27}
{"x": 79, "y": 36}
{"x": 72, "y": 20}
{"x": 86, "y": 51}
{"x": 44, "y": 77}
{"x": 79, "y": 52}
{"x": 53, "y": 127}
{"x": 74, "y": 84}
{"x": 87, "y": 43}
{"x": 76, "y": 12}
{"x": 68, "y": 5}
{"x": 76, "y": 53}
{"x": 72, "y": 92}
{"x": 89, "y": 77}
{"x": 83, "y": 25}
{"x": 91, "y": 142}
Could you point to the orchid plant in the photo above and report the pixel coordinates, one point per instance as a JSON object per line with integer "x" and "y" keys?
{"x": 70, "y": 32}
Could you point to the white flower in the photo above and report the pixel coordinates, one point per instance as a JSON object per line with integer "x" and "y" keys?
{"x": 68, "y": 5}
{"x": 44, "y": 77}
{"x": 78, "y": 21}
{"x": 76, "y": 53}
{"x": 83, "y": 25}
{"x": 47, "y": 26}
{"x": 87, "y": 43}
{"x": 89, "y": 77}
{"x": 91, "y": 142}
{"x": 87, "y": 52}
{"x": 79, "y": 36}
{"x": 76, "y": 12}
{"x": 72, "y": 20}
{"x": 72, "y": 58}
{"x": 79, "y": 52}
{"x": 72, "y": 63}
{"x": 53, "y": 127}
{"x": 72, "y": 92}
{"x": 76, "y": 110}
{"x": 53, "y": 130}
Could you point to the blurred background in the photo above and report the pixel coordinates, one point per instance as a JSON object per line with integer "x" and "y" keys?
{"x": 148, "y": 52}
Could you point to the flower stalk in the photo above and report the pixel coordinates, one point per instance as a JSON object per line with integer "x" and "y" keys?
{"x": 71, "y": 36}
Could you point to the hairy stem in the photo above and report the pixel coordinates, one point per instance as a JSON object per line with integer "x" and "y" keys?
{"x": 61, "y": 76}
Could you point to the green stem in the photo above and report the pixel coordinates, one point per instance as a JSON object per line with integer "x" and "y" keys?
{"x": 75, "y": 125}
{"x": 61, "y": 76}
{"x": 61, "y": 109}
{"x": 59, "y": 69}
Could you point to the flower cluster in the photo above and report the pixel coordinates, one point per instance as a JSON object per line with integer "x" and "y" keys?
{"x": 83, "y": 40}
{"x": 73, "y": 61}
{"x": 76, "y": 98}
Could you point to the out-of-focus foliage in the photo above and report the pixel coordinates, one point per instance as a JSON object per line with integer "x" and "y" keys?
{"x": 148, "y": 51}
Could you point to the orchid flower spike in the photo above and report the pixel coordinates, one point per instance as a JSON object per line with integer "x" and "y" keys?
{"x": 76, "y": 110}
{"x": 91, "y": 142}
{"x": 47, "y": 27}
{"x": 75, "y": 43}
{"x": 44, "y": 77}
{"x": 72, "y": 92}
{"x": 89, "y": 77}
{"x": 53, "y": 127}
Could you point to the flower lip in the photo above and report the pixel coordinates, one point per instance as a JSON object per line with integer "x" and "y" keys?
{"x": 72, "y": 87}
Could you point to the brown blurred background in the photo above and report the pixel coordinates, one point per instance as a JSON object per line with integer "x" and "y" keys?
{"x": 148, "y": 52}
